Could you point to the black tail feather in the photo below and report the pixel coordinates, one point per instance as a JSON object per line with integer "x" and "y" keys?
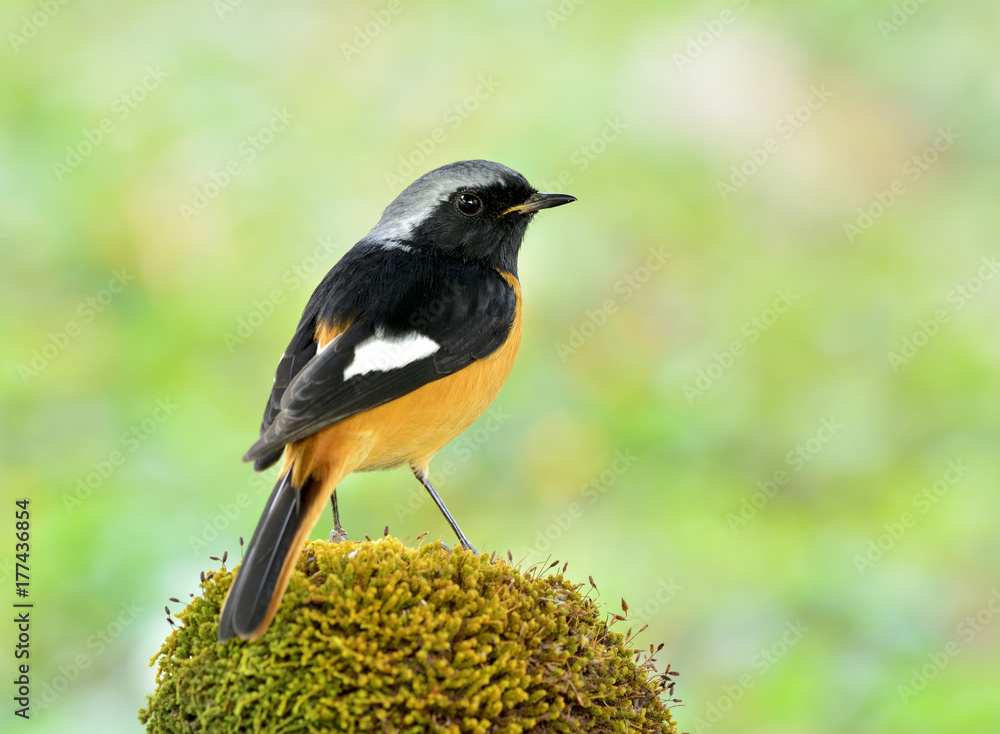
{"x": 251, "y": 593}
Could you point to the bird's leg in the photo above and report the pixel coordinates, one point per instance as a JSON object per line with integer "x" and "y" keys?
{"x": 338, "y": 534}
{"x": 419, "y": 474}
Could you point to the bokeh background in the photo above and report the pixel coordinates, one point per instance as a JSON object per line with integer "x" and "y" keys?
{"x": 757, "y": 395}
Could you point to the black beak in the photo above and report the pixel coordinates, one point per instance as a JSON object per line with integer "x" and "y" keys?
{"x": 537, "y": 202}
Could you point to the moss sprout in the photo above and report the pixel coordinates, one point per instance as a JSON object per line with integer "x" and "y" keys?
{"x": 381, "y": 637}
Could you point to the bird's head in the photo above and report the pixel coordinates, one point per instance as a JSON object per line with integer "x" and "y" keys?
{"x": 473, "y": 210}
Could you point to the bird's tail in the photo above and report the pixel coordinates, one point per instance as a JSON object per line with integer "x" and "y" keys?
{"x": 270, "y": 557}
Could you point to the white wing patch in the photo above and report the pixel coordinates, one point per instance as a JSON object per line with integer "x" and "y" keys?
{"x": 380, "y": 353}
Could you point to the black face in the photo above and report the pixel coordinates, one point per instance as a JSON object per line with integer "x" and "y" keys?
{"x": 474, "y": 223}
{"x": 473, "y": 210}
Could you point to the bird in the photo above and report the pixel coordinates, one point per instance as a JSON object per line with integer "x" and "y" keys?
{"x": 403, "y": 344}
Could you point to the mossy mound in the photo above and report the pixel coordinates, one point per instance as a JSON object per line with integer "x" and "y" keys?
{"x": 379, "y": 637}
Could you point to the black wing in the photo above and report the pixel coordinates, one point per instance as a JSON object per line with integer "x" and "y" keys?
{"x": 384, "y": 295}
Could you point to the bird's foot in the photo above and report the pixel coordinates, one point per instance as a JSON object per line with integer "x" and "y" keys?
{"x": 466, "y": 545}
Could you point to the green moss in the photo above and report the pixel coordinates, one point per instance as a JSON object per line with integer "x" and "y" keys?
{"x": 379, "y": 637}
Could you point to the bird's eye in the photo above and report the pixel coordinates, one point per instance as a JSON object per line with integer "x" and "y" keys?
{"x": 469, "y": 204}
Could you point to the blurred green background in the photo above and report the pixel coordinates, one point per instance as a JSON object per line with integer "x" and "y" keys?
{"x": 757, "y": 394}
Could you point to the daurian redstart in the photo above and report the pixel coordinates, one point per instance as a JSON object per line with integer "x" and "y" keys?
{"x": 401, "y": 347}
